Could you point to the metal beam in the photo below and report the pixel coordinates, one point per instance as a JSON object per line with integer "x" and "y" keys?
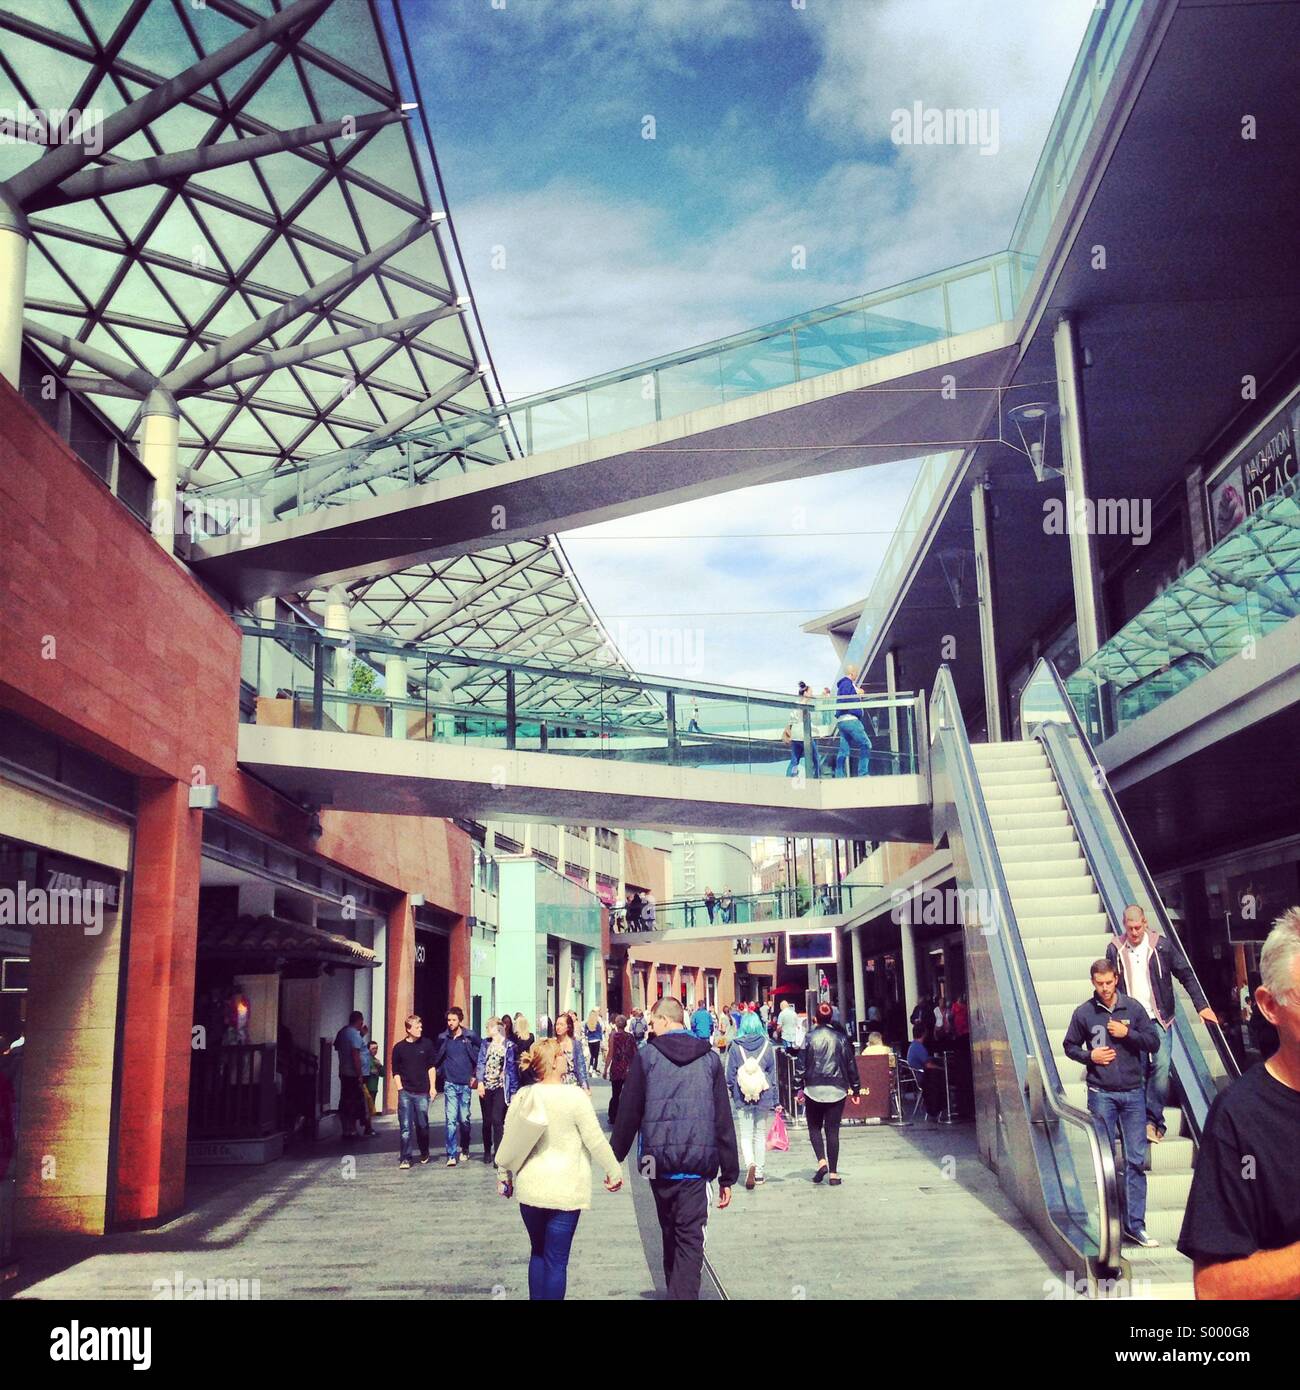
{"x": 197, "y": 369}
{"x": 61, "y": 162}
{"x": 136, "y": 378}
{"x": 264, "y": 362}
{"x": 447, "y": 614}
{"x": 166, "y": 168}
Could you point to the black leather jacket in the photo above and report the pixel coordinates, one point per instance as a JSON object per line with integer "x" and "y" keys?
{"x": 827, "y": 1059}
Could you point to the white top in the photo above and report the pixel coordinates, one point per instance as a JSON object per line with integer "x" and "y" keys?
{"x": 557, "y": 1174}
{"x": 1137, "y": 973}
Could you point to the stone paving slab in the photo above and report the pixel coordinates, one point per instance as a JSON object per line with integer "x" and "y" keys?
{"x": 918, "y": 1216}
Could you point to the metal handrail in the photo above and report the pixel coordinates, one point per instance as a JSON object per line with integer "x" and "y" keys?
{"x": 946, "y": 718}
{"x": 1102, "y": 872}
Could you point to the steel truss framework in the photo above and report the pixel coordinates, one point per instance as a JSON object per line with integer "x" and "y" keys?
{"x": 256, "y": 238}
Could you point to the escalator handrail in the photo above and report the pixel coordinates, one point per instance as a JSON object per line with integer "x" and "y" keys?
{"x": 945, "y": 715}
{"x": 1102, "y": 782}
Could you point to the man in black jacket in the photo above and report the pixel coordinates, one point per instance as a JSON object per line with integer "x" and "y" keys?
{"x": 1111, "y": 1035}
{"x": 675, "y": 1097}
{"x": 1148, "y": 964}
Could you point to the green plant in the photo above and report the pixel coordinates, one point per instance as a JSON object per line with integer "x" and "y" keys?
{"x": 364, "y": 681}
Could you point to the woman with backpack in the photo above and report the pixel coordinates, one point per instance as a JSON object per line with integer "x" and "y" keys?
{"x": 828, "y": 1071}
{"x": 751, "y": 1080}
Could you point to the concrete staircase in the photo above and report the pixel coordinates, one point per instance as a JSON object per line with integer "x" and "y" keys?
{"x": 1064, "y": 928}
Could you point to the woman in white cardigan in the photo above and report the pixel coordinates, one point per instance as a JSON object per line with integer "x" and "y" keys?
{"x": 550, "y": 1138}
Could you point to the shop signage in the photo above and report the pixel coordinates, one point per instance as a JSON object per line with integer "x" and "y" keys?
{"x": 1261, "y": 469}
{"x": 63, "y": 875}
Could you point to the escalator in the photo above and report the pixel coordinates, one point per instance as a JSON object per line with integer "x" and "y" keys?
{"x": 1045, "y": 865}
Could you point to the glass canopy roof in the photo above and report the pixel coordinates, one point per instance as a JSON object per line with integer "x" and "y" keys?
{"x": 163, "y": 270}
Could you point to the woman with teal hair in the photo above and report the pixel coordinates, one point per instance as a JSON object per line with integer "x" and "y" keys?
{"x": 751, "y": 1082}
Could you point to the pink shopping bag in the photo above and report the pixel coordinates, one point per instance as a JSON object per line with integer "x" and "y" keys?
{"x": 777, "y": 1138}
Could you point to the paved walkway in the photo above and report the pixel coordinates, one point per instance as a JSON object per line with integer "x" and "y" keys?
{"x": 918, "y": 1216}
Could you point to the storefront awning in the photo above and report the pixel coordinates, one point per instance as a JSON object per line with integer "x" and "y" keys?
{"x": 276, "y": 936}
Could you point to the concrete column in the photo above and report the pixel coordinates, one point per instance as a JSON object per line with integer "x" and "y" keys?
{"x": 160, "y": 429}
{"x": 395, "y": 689}
{"x": 591, "y": 861}
{"x": 13, "y": 287}
{"x": 267, "y": 652}
{"x": 1074, "y": 458}
{"x": 338, "y": 618}
{"x": 159, "y": 1006}
{"x": 563, "y": 976}
{"x": 859, "y": 981}
{"x": 982, "y": 531}
{"x": 907, "y": 950}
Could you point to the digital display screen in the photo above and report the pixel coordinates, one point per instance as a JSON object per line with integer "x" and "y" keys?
{"x": 809, "y": 947}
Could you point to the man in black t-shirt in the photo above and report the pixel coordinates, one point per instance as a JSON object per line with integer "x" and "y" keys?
{"x": 1242, "y": 1226}
{"x": 414, "y": 1073}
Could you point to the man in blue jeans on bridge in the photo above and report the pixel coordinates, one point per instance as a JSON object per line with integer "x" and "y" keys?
{"x": 1111, "y": 1035}
{"x": 456, "y": 1056}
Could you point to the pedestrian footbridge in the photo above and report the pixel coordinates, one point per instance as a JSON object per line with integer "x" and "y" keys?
{"x": 906, "y": 371}
{"x": 480, "y": 739}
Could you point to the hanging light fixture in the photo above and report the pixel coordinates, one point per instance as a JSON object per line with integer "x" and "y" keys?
{"x": 1031, "y": 421}
{"x": 953, "y": 563}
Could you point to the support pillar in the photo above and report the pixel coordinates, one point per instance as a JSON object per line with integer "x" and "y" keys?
{"x": 149, "y": 1157}
{"x": 338, "y": 620}
{"x": 859, "y": 980}
{"x": 1074, "y": 459}
{"x": 564, "y": 978}
{"x": 395, "y": 689}
{"x": 907, "y": 951}
{"x": 160, "y": 429}
{"x": 267, "y": 652}
{"x": 982, "y": 531}
{"x": 14, "y": 234}
{"x": 399, "y": 959}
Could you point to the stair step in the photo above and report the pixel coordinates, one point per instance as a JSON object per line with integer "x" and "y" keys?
{"x": 998, "y": 778}
{"x": 1033, "y": 836}
{"x": 1065, "y": 848}
{"x": 1171, "y": 1155}
{"x": 1054, "y": 868}
{"x": 1060, "y": 923}
{"x": 1028, "y": 820}
{"x": 1001, "y": 803}
{"x": 1038, "y": 904}
{"x": 1009, "y": 751}
{"x": 1062, "y": 968}
{"x": 1067, "y": 946}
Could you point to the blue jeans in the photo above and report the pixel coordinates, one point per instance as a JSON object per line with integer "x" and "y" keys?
{"x": 1158, "y": 1064}
{"x": 455, "y": 1100}
{"x": 854, "y": 745}
{"x": 1126, "y": 1112}
{"x": 796, "y": 757}
{"x": 551, "y": 1235}
{"x": 413, "y": 1122}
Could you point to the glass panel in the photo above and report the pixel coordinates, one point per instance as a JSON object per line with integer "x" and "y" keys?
{"x": 554, "y": 424}
{"x": 907, "y": 322}
{"x": 687, "y": 386}
{"x": 970, "y": 302}
{"x": 757, "y": 366}
{"x": 621, "y": 405}
{"x": 832, "y": 344}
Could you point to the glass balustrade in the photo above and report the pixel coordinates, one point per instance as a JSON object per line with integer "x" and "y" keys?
{"x": 748, "y": 913}
{"x": 312, "y": 679}
{"x": 1247, "y": 587}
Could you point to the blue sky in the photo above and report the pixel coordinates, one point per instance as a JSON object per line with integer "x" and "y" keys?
{"x": 771, "y": 131}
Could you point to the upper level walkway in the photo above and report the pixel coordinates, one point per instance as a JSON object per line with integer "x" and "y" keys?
{"x": 484, "y": 740}
{"x": 752, "y": 922}
{"x": 905, "y": 371}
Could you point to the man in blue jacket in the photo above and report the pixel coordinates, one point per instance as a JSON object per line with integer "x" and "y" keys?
{"x": 675, "y": 1097}
{"x": 1148, "y": 964}
{"x": 455, "y": 1057}
{"x": 1110, "y": 1034}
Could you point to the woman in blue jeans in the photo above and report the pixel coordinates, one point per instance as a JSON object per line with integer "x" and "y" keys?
{"x": 545, "y": 1159}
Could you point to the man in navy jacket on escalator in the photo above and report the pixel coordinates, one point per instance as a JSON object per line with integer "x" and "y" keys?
{"x": 1111, "y": 1034}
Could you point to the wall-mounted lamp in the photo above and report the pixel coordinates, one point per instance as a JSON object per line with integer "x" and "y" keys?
{"x": 953, "y": 563}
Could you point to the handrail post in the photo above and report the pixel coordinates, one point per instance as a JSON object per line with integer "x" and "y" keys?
{"x": 812, "y": 762}
{"x": 510, "y": 709}
{"x": 670, "y": 712}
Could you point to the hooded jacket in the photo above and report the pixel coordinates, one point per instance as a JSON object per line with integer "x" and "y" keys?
{"x": 675, "y": 1096}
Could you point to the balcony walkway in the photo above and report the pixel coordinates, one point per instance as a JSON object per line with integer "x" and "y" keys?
{"x": 898, "y": 1228}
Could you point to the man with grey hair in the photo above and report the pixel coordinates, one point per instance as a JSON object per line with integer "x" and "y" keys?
{"x": 1242, "y": 1225}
